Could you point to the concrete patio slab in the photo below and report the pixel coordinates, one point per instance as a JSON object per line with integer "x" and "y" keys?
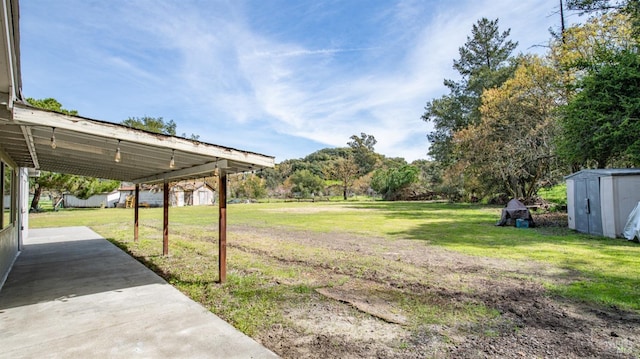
{"x": 72, "y": 294}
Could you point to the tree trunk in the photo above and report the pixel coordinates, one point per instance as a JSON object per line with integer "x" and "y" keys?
{"x": 344, "y": 193}
{"x": 36, "y": 197}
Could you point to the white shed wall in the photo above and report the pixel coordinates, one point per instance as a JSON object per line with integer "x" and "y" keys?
{"x": 626, "y": 194}
{"x": 153, "y": 199}
{"x": 608, "y": 205}
{"x": 147, "y": 198}
{"x": 203, "y": 197}
{"x": 618, "y": 196}
{"x": 176, "y": 198}
{"x": 571, "y": 206}
{"x": 96, "y": 201}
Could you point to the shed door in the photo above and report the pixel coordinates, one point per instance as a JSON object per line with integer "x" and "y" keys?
{"x": 587, "y": 202}
{"x": 202, "y": 196}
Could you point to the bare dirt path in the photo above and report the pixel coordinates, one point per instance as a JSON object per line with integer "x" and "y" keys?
{"x": 363, "y": 287}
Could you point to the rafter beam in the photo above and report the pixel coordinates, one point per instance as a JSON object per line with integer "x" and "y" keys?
{"x": 28, "y": 137}
{"x": 191, "y": 171}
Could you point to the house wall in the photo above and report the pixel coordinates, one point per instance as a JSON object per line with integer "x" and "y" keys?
{"x": 9, "y": 239}
{"x": 8, "y": 251}
{"x": 24, "y": 203}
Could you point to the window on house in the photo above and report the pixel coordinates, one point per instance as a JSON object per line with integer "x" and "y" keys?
{"x": 7, "y": 201}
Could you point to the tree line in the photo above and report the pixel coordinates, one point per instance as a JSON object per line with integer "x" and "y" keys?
{"x": 355, "y": 169}
{"x": 513, "y": 123}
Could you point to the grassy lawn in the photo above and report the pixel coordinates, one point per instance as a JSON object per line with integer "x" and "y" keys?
{"x": 280, "y": 253}
{"x": 611, "y": 268}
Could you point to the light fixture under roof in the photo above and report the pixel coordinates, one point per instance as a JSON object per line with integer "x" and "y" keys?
{"x": 118, "y": 157}
{"x": 172, "y": 162}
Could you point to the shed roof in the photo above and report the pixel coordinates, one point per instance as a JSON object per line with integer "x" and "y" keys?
{"x": 606, "y": 172}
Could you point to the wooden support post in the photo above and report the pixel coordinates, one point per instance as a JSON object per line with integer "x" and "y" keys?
{"x": 165, "y": 227}
{"x": 136, "y": 208}
{"x": 222, "y": 227}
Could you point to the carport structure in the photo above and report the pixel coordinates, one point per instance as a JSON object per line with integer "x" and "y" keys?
{"x": 32, "y": 138}
{"x": 57, "y": 142}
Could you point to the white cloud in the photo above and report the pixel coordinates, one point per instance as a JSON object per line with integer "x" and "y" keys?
{"x": 217, "y": 67}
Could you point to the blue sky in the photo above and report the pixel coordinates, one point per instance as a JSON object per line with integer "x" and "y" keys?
{"x": 279, "y": 77}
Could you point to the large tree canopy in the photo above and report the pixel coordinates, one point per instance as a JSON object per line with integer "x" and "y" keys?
{"x": 390, "y": 182}
{"x": 601, "y": 124}
{"x": 344, "y": 170}
{"x": 511, "y": 149}
{"x": 484, "y": 63}
{"x": 50, "y": 104}
{"x": 630, "y": 8}
{"x": 586, "y": 45}
{"x": 305, "y": 184}
{"x": 152, "y": 124}
{"x": 363, "y": 152}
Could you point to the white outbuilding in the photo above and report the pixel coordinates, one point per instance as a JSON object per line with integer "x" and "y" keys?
{"x": 599, "y": 201}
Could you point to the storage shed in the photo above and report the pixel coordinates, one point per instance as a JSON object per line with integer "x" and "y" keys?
{"x": 600, "y": 200}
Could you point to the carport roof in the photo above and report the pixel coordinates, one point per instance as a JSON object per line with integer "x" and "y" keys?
{"x": 88, "y": 147}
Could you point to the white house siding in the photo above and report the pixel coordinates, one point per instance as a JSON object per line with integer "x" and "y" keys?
{"x": 8, "y": 251}
{"x": 9, "y": 236}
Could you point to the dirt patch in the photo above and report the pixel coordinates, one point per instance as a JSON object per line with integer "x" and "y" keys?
{"x": 364, "y": 281}
{"x": 327, "y": 329}
{"x": 365, "y": 302}
{"x": 551, "y": 219}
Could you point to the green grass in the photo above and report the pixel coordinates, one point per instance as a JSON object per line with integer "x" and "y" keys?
{"x": 556, "y": 194}
{"x": 596, "y": 270}
{"x": 45, "y": 204}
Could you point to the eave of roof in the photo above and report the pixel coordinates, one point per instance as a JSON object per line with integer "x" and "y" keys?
{"x": 87, "y": 147}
